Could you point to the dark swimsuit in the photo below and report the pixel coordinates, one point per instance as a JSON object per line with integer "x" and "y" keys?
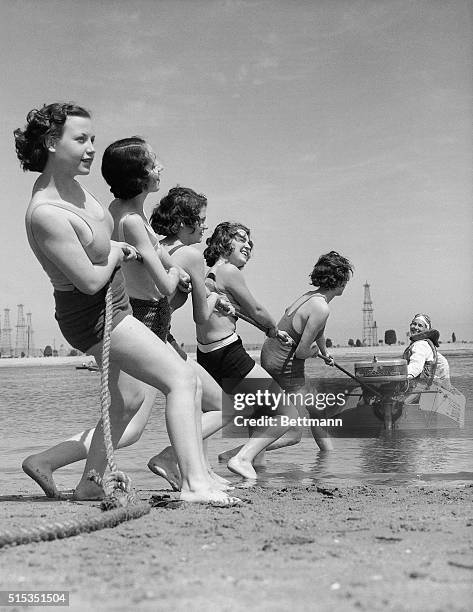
{"x": 81, "y": 316}
{"x": 279, "y": 359}
{"x": 156, "y": 315}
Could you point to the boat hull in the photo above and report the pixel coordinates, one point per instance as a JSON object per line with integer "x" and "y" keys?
{"x": 433, "y": 409}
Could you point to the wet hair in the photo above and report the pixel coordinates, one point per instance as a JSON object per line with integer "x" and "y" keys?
{"x": 331, "y": 271}
{"x": 43, "y": 126}
{"x": 125, "y": 167}
{"x": 181, "y": 206}
{"x": 220, "y": 242}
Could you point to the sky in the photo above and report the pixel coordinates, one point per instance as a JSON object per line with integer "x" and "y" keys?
{"x": 321, "y": 125}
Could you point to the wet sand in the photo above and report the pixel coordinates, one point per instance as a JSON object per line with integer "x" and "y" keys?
{"x": 295, "y": 548}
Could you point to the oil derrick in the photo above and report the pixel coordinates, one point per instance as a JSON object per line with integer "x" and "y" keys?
{"x": 30, "y": 352}
{"x": 20, "y": 342}
{"x": 370, "y": 331}
{"x": 5, "y": 342}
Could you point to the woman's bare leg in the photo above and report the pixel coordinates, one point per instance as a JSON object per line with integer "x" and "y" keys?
{"x": 136, "y": 351}
{"x": 241, "y": 463}
{"x": 41, "y": 466}
{"x": 212, "y": 418}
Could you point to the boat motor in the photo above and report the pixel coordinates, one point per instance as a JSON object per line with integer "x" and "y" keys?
{"x": 389, "y": 379}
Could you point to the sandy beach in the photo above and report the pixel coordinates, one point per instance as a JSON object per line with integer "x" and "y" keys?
{"x": 297, "y": 547}
{"x": 300, "y": 546}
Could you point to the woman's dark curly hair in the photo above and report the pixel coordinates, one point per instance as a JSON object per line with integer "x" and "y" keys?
{"x": 220, "y": 242}
{"x": 43, "y": 126}
{"x": 331, "y": 271}
{"x": 124, "y": 167}
{"x": 180, "y": 206}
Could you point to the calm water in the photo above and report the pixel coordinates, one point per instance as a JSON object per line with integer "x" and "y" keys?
{"x": 40, "y": 406}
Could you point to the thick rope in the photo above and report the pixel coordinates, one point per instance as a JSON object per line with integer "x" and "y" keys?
{"x": 117, "y": 486}
{"x": 120, "y": 502}
{"x": 66, "y": 529}
{"x": 104, "y": 390}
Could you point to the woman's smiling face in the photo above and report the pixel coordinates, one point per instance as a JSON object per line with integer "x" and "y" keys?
{"x": 417, "y": 326}
{"x": 241, "y": 249}
{"x": 74, "y": 150}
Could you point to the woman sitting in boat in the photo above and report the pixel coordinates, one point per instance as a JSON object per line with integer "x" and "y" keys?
{"x": 425, "y": 363}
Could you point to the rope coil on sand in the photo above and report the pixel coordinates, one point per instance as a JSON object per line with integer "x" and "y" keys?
{"x": 120, "y": 503}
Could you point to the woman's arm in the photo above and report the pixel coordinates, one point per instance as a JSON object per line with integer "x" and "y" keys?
{"x": 234, "y": 283}
{"x": 193, "y": 263}
{"x": 421, "y": 352}
{"x": 184, "y": 284}
{"x": 135, "y": 232}
{"x": 58, "y": 240}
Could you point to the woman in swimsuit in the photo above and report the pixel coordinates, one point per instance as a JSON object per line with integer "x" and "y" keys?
{"x": 220, "y": 351}
{"x": 70, "y": 234}
{"x": 180, "y": 217}
{"x": 305, "y": 322}
{"x": 131, "y": 169}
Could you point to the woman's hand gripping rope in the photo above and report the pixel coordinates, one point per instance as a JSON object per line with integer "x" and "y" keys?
{"x": 273, "y": 332}
{"x": 223, "y": 306}
{"x": 184, "y": 283}
{"x": 129, "y": 253}
{"x": 329, "y": 360}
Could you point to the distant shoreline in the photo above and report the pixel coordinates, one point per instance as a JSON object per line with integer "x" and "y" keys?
{"x": 345, "y": 352}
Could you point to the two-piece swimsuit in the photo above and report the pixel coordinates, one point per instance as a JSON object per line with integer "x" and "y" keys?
{"x": 226, "y": 360}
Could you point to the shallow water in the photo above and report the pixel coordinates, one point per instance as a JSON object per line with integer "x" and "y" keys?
{"x": 40, "y": 406}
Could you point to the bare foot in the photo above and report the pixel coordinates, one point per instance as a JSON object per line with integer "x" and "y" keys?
{"x": 219, "y": 486}
{"x": 41, "y": 473}
{"x": 211, "y": 497}
{"x": 239, "y": 466}
{"x": 88, "y": 491}
{"x": 224, "y": 457}
{"x": 165, "y": 465}
{"x": 217, "y": 479}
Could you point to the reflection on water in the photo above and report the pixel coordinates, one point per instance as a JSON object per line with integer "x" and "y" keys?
{"x": 40, "y": 406}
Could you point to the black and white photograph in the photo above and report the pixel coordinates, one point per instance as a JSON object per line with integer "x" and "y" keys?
{"x": 236, "y": 332}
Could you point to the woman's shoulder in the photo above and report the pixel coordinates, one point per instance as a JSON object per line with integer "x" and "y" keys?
{"x": 421, "y": 346}
{"x": 131, "y": 219}
{"x": 44, "y": 207}
{"x": 227, "y": 270}
{"x": 312, "y": 303}
{"x": 183, "y": 252}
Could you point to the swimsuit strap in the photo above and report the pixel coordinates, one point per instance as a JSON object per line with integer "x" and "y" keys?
{"x": 175, "y": 248}
{"x": 290, "y": 316}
